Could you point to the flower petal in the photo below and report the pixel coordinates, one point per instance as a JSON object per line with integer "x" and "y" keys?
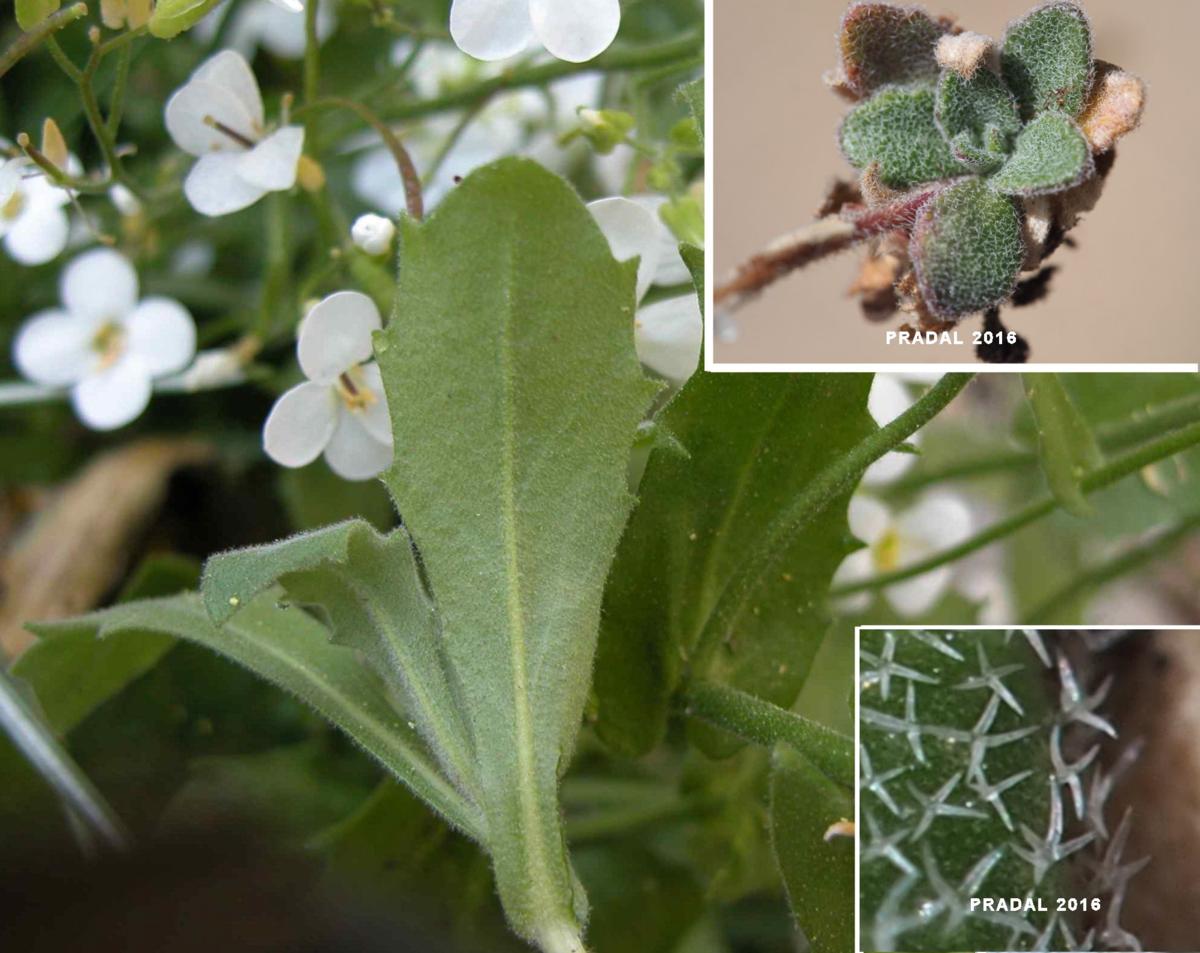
{"x": 162, "y": 333}
{"x": 631, "y": 230}
{"x": 668, "y": 335}
{"x": 271, "y": 165}
{"x": 192, "y": 105}
{"x": 857, "y": 566}
{"x": 99, "y": 285}
{"x": 375, "y": 418}
{"x": 214, "y": 186}
{"x": 53, "y": 348}
{"x": 575, "y": 30}
{"x": 491, "y": 29}
{"x": 231, "y": 71}
{"x": 10, "y": 178}
{"x": 114, "y": 396}
{"x": 353, "y": 454}
{"x": 38, "y": 236}
{"x": 869, "y": 519}
{"x": 336, "y": 335}
{"x": 936, "y": 522}
{"x": 672, "y": 270}
{"x": 300, "y": 424}
{"x": 916, "y": 596}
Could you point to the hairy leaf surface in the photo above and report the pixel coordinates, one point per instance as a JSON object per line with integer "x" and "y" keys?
{"x": 752, "y": 442}
{"x": 1051, "y": 155}
{"x": 292, "y": 650}
{"x": 1067, "y": 447}
{"x": 515, "y": 392}
{"x": 896, "y": 128}
{"x": 967, "y": 249}
{"x": 1047, "y": 59}
{"x": 818, "y": 874}
{"x": 882, "y": 43}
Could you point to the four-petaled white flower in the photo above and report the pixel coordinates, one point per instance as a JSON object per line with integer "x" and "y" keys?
{"x": 270, "y": 24}
{"x": 894, "y": 541}
{"x": 341, "y": 410}
{"x": 667, "y": 333}
{"x": 103, "y": 344}
{"x": 572, "y": 30}
{"x": 33, "y": 223}
{"x": 218, "y": 116}
{"x": 373, "y": 233}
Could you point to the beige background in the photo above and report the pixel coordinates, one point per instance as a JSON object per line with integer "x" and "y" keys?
{"x": 1128, "y": 293}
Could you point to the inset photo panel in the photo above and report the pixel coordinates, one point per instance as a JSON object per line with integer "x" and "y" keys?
{"x": 984, "y": 185}
{"x": 1028, "y": 789}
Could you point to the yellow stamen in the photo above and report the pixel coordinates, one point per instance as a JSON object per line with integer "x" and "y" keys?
{"x": 887, "y": 551}
{"x": 14, "y": 206}
{"x": 109, "y": 343}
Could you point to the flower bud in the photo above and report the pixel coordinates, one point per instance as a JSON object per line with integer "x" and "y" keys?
{"x": 373, "y": 233}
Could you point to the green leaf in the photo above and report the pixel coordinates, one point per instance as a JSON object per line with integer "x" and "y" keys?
{"x": 74, "y": 673}
{"x": 896, "y": 128}
{"x": 172, "y": 17}
{"x": 315, "y": 496}
{"x": 883, "y": 44}
{"x": 515, "y": 393}
{"x": 753, "y": 442}
{"x": 981, "y": 108}
{"x": 818, "y": 874}
{"x": 1047, "y": 59}
{"x": 1051, "y": 155}
{"x": 693, "y": 94}
{"x": 1067, "y": 448}
{"x": 32, "y": 12}
{"x": 967, "y": 249}
{"x": 292, "y": 650}
{"x": 368, "y": 587}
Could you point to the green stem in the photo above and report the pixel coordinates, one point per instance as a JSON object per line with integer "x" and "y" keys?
{"x": 763, "y": 723}
{"x": 836, "y": 479}
{"x": 26, "y": 43}
{"x": 404, "y": 163}
{"x": 278, "y": 273}
{"x": 1103, "y": 573}
{"x": 312, "y": 52}
{"x": 116, "y": 103}
{"x": 619, "y": 60}
{"x": 1112, "y": 436}
{"x": 44, "y": 751}
{"x": 1097, "y": 479}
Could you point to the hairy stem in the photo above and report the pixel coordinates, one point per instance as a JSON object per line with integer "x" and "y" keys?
{"x": 26, "y": 43}
{"x": 836, "y": 479}
{"x": 1096, "y": 479}
{"x": 763, "y": 723}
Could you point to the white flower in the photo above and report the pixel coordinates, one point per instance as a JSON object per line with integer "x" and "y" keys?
{"x": 373, "y": 233}
{"x": 573, "y": 30}
{"x": 667, "y": 333}
{"x": 266, "y": 23}
{"x": 218, "y": 116}
{"x": 889, "y": 398}
{"x": 103, "y": 344}
{"x": 33, "y": 224}
{"x": 893, "y": 541}
{"x": 341, "y": 410}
